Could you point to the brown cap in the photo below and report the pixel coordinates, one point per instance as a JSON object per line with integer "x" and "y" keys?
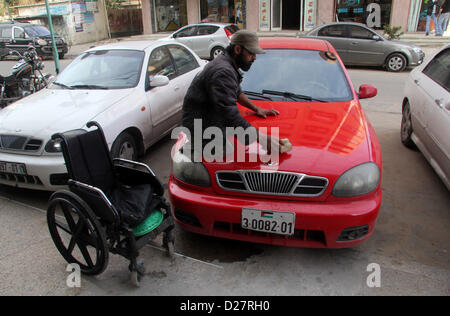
{"x": 247, "y": 39}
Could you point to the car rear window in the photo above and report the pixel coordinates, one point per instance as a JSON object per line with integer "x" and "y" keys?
{"x": 233, "y": 28}
{"x": 302, "y": 72}
{"x": 207, "y": 29}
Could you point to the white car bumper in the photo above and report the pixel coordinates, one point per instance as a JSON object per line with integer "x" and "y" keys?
{"x": 40, "y": 172}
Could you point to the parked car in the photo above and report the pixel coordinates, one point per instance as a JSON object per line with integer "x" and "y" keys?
{"x": 19, "y": 36}
{"x": 325, "y": 193}
{"x": 426, "y": 112}
{"x": 358, "y": 44}
{"x": 208, "y": 40}
{"x": 134, "y": 90}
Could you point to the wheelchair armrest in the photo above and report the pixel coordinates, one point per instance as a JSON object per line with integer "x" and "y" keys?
{"x": 135, "y": 173}
{"x": 96, "y": 198}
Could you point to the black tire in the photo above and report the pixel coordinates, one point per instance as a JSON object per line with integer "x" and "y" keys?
{"x": 396, "y": 62}
{"x": 217, "y": 51}
{"x": 69, "y": 217}
{"x": 406, "y": 129}
{"x": 61, "y": 55}
{"x": 125, "y": 147}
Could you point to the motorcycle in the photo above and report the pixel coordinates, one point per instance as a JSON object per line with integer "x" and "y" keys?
{"x": 26, "y": 77}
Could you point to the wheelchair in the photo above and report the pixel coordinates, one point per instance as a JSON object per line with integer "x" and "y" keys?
{"x": 112, "y": 205}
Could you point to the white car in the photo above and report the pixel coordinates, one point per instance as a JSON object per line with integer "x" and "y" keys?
{"x": 208, "y": 40}
{"x": 134, "y": 90}
{"x": 426, "y": 112}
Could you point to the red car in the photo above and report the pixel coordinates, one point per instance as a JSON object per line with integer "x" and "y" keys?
{"x": 325, "y": 192}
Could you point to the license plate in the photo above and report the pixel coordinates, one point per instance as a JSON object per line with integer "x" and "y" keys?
{"x": 268, "y": 221}
{"x": 12, "y": 167}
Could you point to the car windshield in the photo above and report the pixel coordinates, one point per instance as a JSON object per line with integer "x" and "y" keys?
{"x": 297, "y": 75}
{"x": 37, "y": 31}
{"x": 103, "y": 69}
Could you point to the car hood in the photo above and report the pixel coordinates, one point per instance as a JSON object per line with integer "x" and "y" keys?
{"x": 54, "y": 110}
{"x": 327, "y": 138}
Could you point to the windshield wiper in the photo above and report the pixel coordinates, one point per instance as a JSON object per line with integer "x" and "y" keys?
{"x": 257, "y": 94}
{"x": 62, "y": 85}
{"x": 292, "y": 95}
{"x": 88, "y": 86}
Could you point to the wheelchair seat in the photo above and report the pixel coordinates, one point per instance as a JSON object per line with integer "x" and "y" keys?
{"x": 111, "y": 197}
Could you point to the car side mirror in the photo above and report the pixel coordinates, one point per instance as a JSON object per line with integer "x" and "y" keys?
{"x": 158, "y": 81}
{"x": 376, "y": 38}
{"x": 367, "y": 91}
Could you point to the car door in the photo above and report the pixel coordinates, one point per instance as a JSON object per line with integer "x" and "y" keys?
{"x": 19, "y": 39}
{"x": 164, "y": 102}
{"x": 205, "y": 39}
{"x": 363, "y": 49}
{"x": 5, "y": 39}
{"x": 336, "y": 35}
{"x": 435, "y": 87}
{"x": 186, "y": 36}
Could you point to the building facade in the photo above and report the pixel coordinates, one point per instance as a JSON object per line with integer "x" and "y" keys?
{"x": 282, "y": 15}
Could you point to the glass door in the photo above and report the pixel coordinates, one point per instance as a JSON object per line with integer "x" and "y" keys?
{"x": 276, "y": 18}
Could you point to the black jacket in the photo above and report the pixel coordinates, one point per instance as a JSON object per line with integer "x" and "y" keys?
{"x": 212, "y": 97}
{"x": 430, "y": 7}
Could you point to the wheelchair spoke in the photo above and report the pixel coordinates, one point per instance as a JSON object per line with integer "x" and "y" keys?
{"x": 85, "y": 253}
{"x": 64, "y": 227}
{"x": 76, "y": 235}
{"x": 68, "y": 216}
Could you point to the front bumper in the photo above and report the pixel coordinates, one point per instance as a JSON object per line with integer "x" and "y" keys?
{"x": 317, "y": 224}
{"x": 42, "y": 172}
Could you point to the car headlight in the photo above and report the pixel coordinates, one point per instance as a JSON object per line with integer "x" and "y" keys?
{"x": 418, "y": 50}
{"x": 41, "y": 42}
{"x": 53, "y": 146}
{"x": 190, "y": 172}
{"x": 359, "y": 180}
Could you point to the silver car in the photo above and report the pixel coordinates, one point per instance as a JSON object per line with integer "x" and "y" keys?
{"x": 358, "y": 44}
{"x": 426, "y": 112}
{"x": 208, "y": 40}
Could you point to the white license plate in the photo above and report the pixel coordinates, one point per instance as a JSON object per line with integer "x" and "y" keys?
{"x": 268, "y": 221}
{"x": 12, "y": 167}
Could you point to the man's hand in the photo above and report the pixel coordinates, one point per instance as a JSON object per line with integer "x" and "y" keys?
{"x": 264, "y": 112}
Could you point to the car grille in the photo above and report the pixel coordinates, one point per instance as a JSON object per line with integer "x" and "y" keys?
{"x": 20, "y": 143}
{"x": 271, "y": 183}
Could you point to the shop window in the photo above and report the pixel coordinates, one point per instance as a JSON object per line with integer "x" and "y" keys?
{"x": 170, "y": 14}
{"x": 373, "y": 14}
{"x": 228, "y": 11}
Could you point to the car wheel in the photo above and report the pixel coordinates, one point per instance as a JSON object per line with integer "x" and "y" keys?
{"x": 217, "y": 51}
{"x": 396, "y": 63}
{"x": 125, "y": 147}
{"x": 406, "y": 126}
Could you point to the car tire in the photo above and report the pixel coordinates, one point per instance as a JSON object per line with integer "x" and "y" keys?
{"x": 61, "y": 55}
{"x": 406, "y": 129}
{"x": 396, "y": 63}
{"x": 125, "y": 147}
{"x": 217, "y": 51}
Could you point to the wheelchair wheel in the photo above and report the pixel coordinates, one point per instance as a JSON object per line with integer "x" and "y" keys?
{"x": 77, "y": 233}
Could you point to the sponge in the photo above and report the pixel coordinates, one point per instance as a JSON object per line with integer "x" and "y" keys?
{"x": 285, "y": 145}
